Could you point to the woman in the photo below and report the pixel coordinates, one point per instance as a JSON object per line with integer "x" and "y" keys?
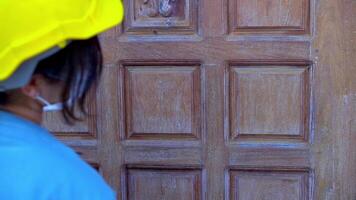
{"x": 49, "y": 53}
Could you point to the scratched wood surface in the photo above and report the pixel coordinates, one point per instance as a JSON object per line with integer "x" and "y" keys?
{"x": 232, "y": 99}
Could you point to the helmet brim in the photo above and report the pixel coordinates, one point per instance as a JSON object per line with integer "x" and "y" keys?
{"x": 23, "y": 74}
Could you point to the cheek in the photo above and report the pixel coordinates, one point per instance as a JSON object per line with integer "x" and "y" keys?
{"x": 54, "y": 91}
{"x": 59, "y": 90}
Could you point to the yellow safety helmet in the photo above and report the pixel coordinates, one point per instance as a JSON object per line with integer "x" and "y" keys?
{"x": 34, "y": 29}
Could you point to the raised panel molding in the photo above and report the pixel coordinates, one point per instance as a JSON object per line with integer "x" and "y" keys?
{"x": 286, "y": 17}
{"x": 161, "y": 17}
{"x": 162, "y": 101}
{"x": 152, "y": 183}
{"x": 269, "y": 100}
{"x": 265, "y": 183}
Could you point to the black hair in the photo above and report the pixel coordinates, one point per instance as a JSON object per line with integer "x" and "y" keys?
{"x": 3, "y": 98}
{"x": 79, "y": 65}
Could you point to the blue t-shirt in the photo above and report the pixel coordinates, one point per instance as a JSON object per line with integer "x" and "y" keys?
{"x": 34, "y": 165}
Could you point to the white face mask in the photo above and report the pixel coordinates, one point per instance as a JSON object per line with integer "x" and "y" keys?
{"x": 48, "y": 107}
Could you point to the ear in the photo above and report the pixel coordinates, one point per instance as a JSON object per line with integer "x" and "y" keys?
{"x": 32, "y": 88}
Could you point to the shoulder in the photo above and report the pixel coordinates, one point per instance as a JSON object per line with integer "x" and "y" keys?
{"x": 44, "y": 164}
{"x": 52, "y": 170}
{"x": 74, "y": 178}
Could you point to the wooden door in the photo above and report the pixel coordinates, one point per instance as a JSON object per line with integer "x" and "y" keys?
{"x": 230, "y": 99}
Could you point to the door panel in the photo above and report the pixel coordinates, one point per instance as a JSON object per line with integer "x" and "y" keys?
{"x": 233, "y": 99}
{"x": 162, "y": 102}
{"x": 278, "y": 184}
{"x": 289, "y": 17}
{"x": 150, "y": 18}
{"x": 146, "y": 183}
{"x": 269, "y": 101}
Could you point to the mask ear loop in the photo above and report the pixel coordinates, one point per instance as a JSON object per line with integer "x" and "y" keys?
{"x": 42, "y": 100}
{"x": 49, "y": 107}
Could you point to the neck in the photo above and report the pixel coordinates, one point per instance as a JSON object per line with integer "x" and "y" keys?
{"x": 32, "y": 113}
